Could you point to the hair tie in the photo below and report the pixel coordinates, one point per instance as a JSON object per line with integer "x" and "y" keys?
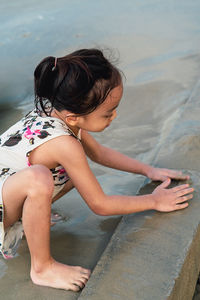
{"x": 55, "y": 64}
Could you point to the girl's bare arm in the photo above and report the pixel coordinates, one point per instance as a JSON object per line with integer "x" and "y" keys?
{"x": 68, "y": 152}
{"x": 116, "y": 160}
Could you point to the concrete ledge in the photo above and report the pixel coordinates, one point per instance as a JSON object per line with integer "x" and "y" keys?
{"x": 151, "y": 256}
{"x": 156, "y": 256}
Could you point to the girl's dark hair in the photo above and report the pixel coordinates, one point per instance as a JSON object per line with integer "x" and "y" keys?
{"x": 79, "y": 82}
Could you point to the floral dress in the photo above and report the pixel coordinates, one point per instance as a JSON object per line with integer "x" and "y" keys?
{"x": 16, "y": 145}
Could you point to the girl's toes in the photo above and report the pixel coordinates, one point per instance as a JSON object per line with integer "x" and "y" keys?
{"x": 79, "y": 283}
{"x": 75, "y": 288}
{"x": 84, "y": 280}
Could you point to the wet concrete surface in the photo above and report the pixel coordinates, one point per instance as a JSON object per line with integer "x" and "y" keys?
{"x": 155, "y": 255}
{"x": 158, "y": 43}
{"x": 77, "y": 240}
{"x": 151, "y": 255}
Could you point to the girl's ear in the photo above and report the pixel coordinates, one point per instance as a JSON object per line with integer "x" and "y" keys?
{"x": 72, "y": 120}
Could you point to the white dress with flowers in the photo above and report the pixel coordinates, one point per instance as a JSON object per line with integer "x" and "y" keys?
{"x": 16, "y": 145}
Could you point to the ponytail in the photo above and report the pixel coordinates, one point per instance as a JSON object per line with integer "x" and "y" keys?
{"x": 78, "y": 82}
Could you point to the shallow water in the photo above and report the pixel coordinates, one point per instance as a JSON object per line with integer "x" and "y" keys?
{"x": 158, "y": 46}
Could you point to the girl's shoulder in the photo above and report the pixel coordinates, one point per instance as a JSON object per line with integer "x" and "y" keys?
{"x": 33, "y": 130}
{"x": 34, "y": 121}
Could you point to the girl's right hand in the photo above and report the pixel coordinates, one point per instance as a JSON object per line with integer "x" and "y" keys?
{"x": 167, "y": 200}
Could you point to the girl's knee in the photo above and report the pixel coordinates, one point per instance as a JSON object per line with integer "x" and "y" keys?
{"x": 40, "y": 180}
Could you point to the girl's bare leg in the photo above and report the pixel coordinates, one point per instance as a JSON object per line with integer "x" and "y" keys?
{"x": 28, "y": 194}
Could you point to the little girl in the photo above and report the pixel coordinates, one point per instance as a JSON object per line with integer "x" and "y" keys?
{"x": 43, "y": 156}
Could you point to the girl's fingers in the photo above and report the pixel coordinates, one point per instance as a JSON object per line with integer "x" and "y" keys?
{"x": 184, "y": 198}
{"x": 165, "y": 183}
{"x": 181, "y": 206}
{"x": 175, "y": 173}
{"x": 184, "y": 192}
{"x": 180, "y": 187}
{"x": 178, "y": 175}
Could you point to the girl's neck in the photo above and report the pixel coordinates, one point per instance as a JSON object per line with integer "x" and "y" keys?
{"x": 58, "y": 115}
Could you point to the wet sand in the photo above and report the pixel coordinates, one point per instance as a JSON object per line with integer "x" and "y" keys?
{"x": 161, "y": 62}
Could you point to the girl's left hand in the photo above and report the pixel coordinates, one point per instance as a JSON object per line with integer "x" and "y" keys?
{"x": 160, "y": 174}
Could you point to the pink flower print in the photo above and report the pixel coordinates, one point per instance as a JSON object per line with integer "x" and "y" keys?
{"x": 28, "y": 163}
{"x": 62, "y": 171}
{"x": 7, "y": 256}
{"x": 29, "y": 134}
{"x": 65, "y": 177}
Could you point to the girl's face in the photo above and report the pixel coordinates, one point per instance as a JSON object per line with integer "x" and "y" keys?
{"x": 103, "y": 115}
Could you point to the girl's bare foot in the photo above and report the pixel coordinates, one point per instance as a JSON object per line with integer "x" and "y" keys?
{"x": 61, "y": 276}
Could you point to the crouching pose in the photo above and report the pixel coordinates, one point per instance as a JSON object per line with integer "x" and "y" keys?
{"x": 43, "y": 156}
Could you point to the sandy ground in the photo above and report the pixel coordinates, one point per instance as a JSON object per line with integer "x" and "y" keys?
{"x": 159, "y": 55}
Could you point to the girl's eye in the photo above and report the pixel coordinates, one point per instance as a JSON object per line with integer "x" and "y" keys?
{"x": 108, "y": 116}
